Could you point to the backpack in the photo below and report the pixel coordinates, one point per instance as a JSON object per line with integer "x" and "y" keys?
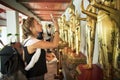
{"x": 12, "y": 65}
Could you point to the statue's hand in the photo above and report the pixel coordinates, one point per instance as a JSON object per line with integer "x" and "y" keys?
{"x": 54, "y": 22}
{"x": 82, "y": 6}
{"x": 93, "y": 2}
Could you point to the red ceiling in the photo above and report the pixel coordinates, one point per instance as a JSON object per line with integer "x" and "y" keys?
{"x": 43, "y": 8}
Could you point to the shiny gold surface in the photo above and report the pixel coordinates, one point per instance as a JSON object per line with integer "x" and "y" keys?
{"x": 108, "y": 36}
{"x": 90, "y": 31}
{"x": 103, "y": 21}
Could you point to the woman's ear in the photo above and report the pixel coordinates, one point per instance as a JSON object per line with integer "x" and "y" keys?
{"x": 30, "y": 29}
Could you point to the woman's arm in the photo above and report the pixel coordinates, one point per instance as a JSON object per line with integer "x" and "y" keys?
{"x": 46, "y": 44}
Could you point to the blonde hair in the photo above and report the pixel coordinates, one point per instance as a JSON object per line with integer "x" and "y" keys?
{"x": 27, "y": 23}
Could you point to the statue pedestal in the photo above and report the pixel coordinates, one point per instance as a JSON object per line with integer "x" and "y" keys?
{"x": 95, "y": 73}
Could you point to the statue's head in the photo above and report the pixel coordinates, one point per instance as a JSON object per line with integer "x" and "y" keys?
{"x": 71, "y": 9}
{"x": 106, "y": 1}
{"x": 63, "y": 18}
{"x": 109, "y": 3}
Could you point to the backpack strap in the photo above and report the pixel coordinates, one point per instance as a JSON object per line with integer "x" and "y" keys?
{"x": 23, "y": 56}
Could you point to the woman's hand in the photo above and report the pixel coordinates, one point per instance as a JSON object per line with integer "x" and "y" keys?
{"x": 55, "y": 23}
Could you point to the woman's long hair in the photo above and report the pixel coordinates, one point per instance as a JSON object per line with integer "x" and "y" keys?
{"x": 27, "y": 23}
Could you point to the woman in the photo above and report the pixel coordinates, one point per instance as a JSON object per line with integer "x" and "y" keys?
{"x": 35, "y": 47}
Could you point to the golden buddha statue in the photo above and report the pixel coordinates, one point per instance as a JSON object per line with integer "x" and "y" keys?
{"x": 108, "y": 28}
{"x": 90, "y": 32}
{"x": 77, "y": 33}
{"x": 71, "y": 11}
{"x": 61, "y": 26}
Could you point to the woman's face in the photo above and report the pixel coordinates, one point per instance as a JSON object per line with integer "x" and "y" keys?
{"x": 36, "y": 28}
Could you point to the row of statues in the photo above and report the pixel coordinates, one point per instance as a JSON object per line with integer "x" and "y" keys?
{"x": 102, "y": 28}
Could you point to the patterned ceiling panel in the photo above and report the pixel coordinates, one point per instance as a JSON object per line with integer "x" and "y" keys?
{"x": 43, "y": 8}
